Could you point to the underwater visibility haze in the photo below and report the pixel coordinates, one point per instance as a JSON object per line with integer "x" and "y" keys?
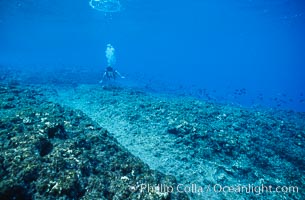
{"x": 152, "y": 99}
{"x": 218, "y": 46}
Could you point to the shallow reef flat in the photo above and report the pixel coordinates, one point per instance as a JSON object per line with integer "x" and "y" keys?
{"x": 208, "y": 147}
{"x": 52, "y": 152}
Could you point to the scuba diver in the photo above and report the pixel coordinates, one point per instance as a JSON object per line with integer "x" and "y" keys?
{"x": 110, "y": 74}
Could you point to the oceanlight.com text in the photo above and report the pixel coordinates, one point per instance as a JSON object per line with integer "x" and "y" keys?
{"x": 218, "y": 188}
{"x": 259, "y": 189}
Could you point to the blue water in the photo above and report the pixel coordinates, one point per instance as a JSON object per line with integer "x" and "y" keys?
{"x": 248, "y": 52}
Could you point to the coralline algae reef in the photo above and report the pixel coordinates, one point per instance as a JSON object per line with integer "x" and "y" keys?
{"x": 50, "y": 152}
{"x": 230, "y": 152}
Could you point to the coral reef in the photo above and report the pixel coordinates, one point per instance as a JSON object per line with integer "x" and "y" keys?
{"x": 51, "y": 152}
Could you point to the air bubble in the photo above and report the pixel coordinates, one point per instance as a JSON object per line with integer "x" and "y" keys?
{"x": 108, "y": 6}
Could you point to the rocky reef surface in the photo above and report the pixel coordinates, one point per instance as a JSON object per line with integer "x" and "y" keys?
{"x": 52, "y": 152}
{"x": 215, "y": 151}
{"x": 208, "y": 147}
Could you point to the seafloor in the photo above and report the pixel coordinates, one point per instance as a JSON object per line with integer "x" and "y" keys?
{"x": 84, "y": 141}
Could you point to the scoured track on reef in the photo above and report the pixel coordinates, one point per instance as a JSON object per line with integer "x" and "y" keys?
{"x": 205, "y": 145}
{"x": 52, "y": 152}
